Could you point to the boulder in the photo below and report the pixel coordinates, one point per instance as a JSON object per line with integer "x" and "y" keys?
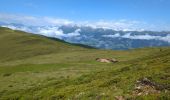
{"x": 106, "y": 60}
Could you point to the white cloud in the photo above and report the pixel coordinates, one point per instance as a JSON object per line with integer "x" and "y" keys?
{"x": 51, "y": 32}
{"x": 124, "y": 25}
{"x": 23, "y": 28}
{"x": 74, "y": 34}
{"x": 48, "y": 31}
{"x": 11, "y": 27}
{"x": 35, "y": 21}
{"x": 55, "y": 21}
{"x": 166, "y": 38}
{"x": 112, "y": 36}
{"x": 57, "y": 33}
{"x": 46, "y": 21}
{"x": 140, "y": 37}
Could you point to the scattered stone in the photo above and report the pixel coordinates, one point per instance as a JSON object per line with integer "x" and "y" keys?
{"x": 139, "y": 94}
{"x": 119, "y": 98}
{"x": 79, "y": 95}
{"x": 146, "y": 81}
{"x": 145, "y": 86}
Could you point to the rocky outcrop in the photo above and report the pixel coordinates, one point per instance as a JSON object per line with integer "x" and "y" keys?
{"x": 106, "y": 60}
{"x": 145, "y": 86}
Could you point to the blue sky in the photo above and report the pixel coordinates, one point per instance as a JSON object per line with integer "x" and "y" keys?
{"x": 152, "y": 12}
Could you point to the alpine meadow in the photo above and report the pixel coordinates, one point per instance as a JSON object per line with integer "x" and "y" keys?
{"x": 84, "y": 50}
{"x": 37, "y": 67}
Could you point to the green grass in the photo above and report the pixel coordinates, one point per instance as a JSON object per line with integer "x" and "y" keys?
{"x": 36, "y": 67}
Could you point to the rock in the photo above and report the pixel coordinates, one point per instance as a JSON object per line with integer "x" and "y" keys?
{"x": 145, "y": 86}
{"x": 119, "y": 98}
{"x": 106, "y": 60}
{"x": 138, "y": 87}
{"x": 139, "y": 94}
{"x": 113, "y": 60}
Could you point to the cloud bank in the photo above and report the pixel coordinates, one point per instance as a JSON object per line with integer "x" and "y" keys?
{"x": 140, "y": 37}
{"x": 49, "y": 27}
{"x": 46, "y": 31}
{"x": 56, "y": 32}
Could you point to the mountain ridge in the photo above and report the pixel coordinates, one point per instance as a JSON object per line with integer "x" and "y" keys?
{"x": 99, "y": 37}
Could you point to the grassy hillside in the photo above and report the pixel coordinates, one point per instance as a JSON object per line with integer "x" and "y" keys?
{"x": 36, "y": 67}
{"x": 18, "y": 45}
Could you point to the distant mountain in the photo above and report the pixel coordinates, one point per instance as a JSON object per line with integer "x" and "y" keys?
{"x": 98, "y": 37}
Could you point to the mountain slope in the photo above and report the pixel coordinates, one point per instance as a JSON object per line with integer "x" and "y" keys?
{"x": 18, "y": 45}
{"x": 36, "y": 67}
